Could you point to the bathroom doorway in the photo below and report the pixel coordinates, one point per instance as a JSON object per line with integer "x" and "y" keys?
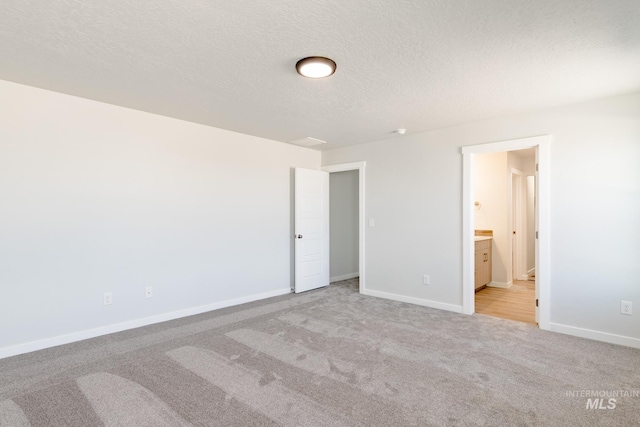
{"x": 540, "y": 145}
{"x": 500, "y": 211}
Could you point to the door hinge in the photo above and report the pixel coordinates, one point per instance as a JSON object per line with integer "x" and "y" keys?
{"x": 536, "y": 234}
{"x": 536, "y": 302}
{"x": 536, "y": 167}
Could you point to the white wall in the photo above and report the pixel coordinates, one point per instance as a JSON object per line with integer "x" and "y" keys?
{"x": 96, "y": 198}
{"x": 493, "y": 212}
{"x": 414, "y": 193}
{"x": 344, "y": 224}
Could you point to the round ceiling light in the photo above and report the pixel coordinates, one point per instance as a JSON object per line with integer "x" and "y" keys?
{"x": 316, "y": 67}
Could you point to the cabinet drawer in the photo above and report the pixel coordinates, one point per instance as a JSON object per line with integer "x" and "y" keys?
{"x": 483, "y": 244}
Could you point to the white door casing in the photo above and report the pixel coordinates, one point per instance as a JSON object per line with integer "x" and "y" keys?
{"x": 542, "y": 145}
{"x": 538, "y": 226}
{"x": 360, "y": 167}
{"x": 311, "y": 225}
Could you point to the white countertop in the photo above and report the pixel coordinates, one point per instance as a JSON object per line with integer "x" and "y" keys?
{"x": 479, "y": 238}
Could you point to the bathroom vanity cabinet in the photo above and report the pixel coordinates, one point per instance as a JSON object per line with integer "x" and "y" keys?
{"x": 482, "y": 262}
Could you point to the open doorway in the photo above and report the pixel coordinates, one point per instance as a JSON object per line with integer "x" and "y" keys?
{"x": 347, "y": 213}
{"x": 541, "y": 144}
{"x": 343, "y": 219}
{"x": 502, "y": 241}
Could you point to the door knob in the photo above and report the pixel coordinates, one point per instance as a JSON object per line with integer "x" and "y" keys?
{"x": 299, "y": 236}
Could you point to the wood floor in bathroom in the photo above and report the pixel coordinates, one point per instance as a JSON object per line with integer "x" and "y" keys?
{"x": 516, "y": 303}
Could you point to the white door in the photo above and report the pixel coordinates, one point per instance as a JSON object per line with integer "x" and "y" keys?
{"x": 514, "y": 227}
{"x": 537, "y": 223}
{"x": 311, "y": 229}
{"x": 518, "y": 236}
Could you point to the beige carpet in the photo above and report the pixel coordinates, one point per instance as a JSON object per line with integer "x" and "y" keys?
{"x": 330, "y": 357}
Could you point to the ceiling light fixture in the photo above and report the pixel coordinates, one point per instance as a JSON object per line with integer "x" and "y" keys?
{"x": 316, "y": 67}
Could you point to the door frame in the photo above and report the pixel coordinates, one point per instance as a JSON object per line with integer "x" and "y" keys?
{"x": 543, "y": 261}
{"x": 360, "y": 167}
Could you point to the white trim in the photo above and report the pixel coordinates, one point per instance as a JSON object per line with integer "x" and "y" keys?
{"x": 136, "y": 323}
{"x": 543, "y": 261}
{"x": 412, "y": 300}
{"x": 468, "y": 249}
{"x": 543, "y": 219}
{"x": 595, "y": 335}
{"x": 344, "y": 277}
{"x": 501, "y": 285}
{"x": 510, "y": 145}
{"x": 360, "y": 167}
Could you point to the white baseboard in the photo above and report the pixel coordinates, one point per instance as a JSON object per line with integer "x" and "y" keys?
{"x": 412, "y": 300}
{"x": 596, "y": 335}
{"x": 502, "y": 285}
{"x": 136, "y": 323}
{"x": 344, "y": 277}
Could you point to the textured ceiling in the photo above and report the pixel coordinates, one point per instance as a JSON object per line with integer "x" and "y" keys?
{"x": 419, "y": 65}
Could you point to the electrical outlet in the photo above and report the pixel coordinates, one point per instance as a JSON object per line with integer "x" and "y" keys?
{"x": 148, "y": 292}
{"x": 625, "y": 307}
{"x": 108, "y": 298}
{"x": 426, "y": 280}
